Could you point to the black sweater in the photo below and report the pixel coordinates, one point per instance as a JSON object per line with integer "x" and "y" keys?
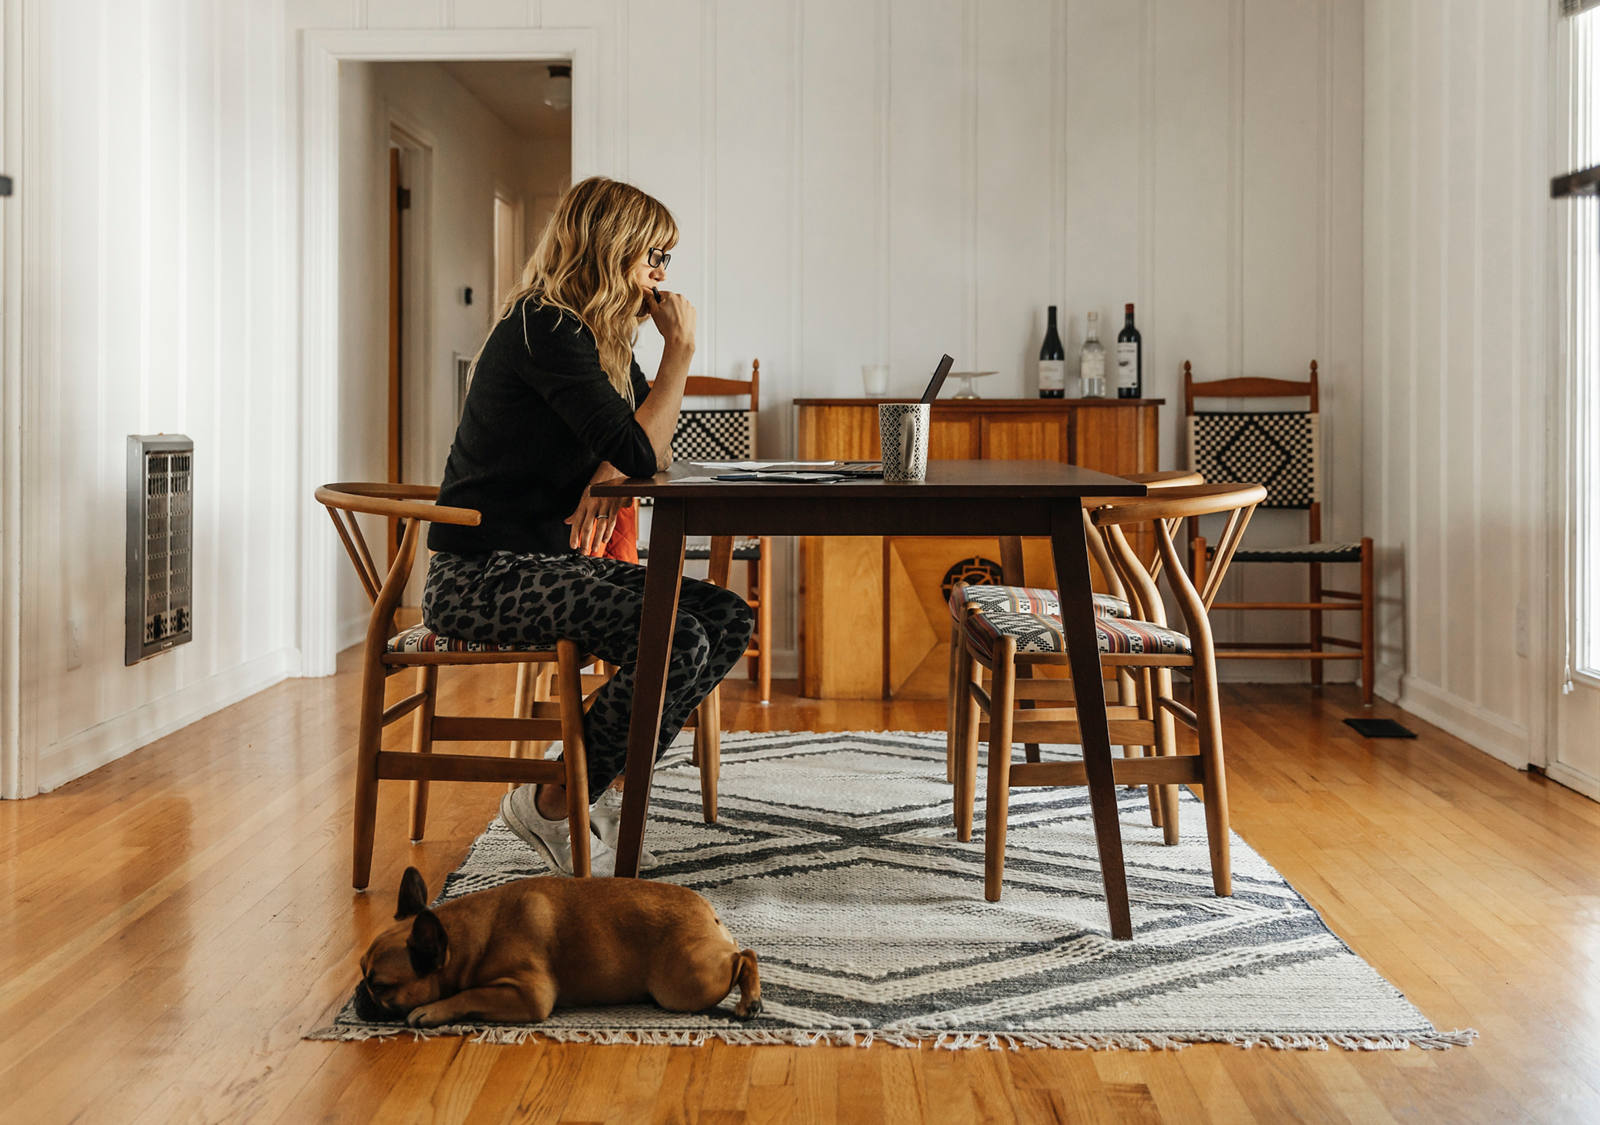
{"x": 539, "y": 418}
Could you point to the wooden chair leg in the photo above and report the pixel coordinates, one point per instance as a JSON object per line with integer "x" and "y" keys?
{"x": 1002, "y": 685}
{"x": 1166, "y": 746}
{"x": 708, "y": 749}
{"x": 1368, "y": 648}
{"x": 952, "y": 706}
{"x": 763, "y": 569}
{"x": 1316, "y": 623}
{"x": 1215, "y": 787}
{"x": 369, "y": 738}
{"x": 574, "y": 756}
{"x": 964, "y": 739}
{"x": 422, "y": 743}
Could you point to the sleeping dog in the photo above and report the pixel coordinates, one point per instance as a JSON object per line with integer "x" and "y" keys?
{"x": 513, "y": 953}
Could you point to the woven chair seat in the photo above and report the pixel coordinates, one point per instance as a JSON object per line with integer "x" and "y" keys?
{"x": 1037, "y": 632}
{"x": 1025, "y": 599}
{"x": 1298, "y": 553}
{"x": 419, "y": 638}
{"x": 744, "y": 550}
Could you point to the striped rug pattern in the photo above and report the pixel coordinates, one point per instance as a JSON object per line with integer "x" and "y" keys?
{"x": 835, "y": 859}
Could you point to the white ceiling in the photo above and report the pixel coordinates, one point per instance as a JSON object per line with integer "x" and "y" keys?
{"x": 514, "y": 92}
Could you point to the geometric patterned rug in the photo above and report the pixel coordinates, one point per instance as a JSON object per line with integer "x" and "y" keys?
{"x": 835, "y": 859}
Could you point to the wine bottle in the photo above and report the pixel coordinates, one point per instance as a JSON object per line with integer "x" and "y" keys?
{"x": 1092, "y": 359}
{"x": 1130, "y": 358}
{"x": 1052, "y": 362}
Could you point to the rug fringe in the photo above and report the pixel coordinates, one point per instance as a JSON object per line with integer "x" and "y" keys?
{"x": 916, "y": 1038}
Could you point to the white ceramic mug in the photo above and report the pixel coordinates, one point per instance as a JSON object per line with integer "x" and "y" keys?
{"x": 903, "y": 438}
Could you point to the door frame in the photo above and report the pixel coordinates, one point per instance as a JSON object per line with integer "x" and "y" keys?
{"x": 595, "y": 116}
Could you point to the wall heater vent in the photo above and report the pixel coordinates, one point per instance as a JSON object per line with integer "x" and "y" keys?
{"x": 160, "y": 544}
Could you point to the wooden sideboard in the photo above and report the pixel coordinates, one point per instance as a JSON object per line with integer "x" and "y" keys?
{"x": 873, "y": 616}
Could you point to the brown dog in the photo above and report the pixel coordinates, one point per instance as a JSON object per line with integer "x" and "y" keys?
{"x": 513, "y": 953}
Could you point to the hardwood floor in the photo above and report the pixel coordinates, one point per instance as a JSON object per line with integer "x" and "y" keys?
{"x": 174, "y": 921}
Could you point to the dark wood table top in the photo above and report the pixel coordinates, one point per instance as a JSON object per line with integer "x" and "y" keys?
{"x": 989, "y": 405}
{"x": 968, "y": 480}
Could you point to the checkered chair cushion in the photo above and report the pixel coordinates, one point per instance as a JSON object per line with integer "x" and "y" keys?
{"x": 1025, "y": 599}
{"x": 1299, "y": 553}
{"x": 419, "y": 638}
{"x": 744, "y": 550}
{"x": 1277, "y": 449}
{"x": 714, "y": 435}
{"x": 1035, "y": 632}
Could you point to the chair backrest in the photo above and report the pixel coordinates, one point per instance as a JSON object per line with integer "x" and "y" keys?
{"x": 1276, "y": 448}
{"x": 411, "y": 505}
{"x": 1165, "y": 510}
{"x": 718, "y": 434}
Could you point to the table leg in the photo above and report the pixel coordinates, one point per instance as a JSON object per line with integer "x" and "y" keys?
{"x": 1071, "y": 552}
{"x": 663, "y": 577}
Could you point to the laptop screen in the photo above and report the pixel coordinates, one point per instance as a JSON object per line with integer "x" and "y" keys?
{"x": 945, "y": 363}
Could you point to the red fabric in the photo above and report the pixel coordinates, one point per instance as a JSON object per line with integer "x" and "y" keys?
{"x": 624, "y": 544}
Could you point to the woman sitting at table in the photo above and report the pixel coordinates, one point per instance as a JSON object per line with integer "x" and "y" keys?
{"x": 557, "y": 403}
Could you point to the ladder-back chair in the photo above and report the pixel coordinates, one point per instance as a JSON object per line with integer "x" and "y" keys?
{"x": 1280, "y": 450}
{"x": 729, "y": 434}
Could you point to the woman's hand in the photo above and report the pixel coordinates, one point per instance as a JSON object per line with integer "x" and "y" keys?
{"x": 595, "y": 517}
{"x": 674, "y": 317}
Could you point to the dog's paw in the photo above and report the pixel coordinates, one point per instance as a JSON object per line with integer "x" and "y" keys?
{"x": 428, "y": 1015}
{"x": 747, "y": 1011}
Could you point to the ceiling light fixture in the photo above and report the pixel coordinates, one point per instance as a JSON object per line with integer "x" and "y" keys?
{"x": 558, "y": 87}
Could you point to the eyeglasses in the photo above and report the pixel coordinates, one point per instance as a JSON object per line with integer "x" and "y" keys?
{"x": 657, "y": 259}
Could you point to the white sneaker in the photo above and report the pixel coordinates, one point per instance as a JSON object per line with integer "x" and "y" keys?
{"x": 605, "y": 818}
{"x": 551, "y": 838}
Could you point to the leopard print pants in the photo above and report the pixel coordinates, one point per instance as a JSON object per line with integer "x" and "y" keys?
{"x": 536, "y": 600}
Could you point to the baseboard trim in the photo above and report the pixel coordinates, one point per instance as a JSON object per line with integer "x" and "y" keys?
{"x": 1584, "y": 783}
{"x": 1484, "y": 730}
{"x": 88, "y": 750}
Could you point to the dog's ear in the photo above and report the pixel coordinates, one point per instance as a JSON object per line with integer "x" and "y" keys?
{"x": 428, "y": 944}
{"x": 413, "y": 894}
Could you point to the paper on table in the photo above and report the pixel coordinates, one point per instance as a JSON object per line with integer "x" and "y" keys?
{"x": 759, "y": 466}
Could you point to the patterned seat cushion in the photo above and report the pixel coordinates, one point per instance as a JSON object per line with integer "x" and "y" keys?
{"x": 1300, "y": 553}
{"x": 1036, "y": 632}
{"x": 1025, "y": 599}
{"x": 419, "y": 638}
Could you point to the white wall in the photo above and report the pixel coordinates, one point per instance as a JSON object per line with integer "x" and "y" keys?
{"x": 885, "y": 181}
{"x": 855, "y": 181}
{"x": 156, "y": 288}
{"x": 1457, "y": 277}
{"x": 474, "y": 154}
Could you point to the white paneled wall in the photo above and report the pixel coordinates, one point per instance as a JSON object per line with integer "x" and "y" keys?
{"x": 1457, "y": 275}
{"x": 861, "y": 181}
{"x": 156, "y": 296}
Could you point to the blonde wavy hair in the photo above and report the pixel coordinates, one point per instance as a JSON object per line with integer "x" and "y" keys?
{"x": 599, "y": 231}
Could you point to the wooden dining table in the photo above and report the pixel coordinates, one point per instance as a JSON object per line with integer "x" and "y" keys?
{"x": 1005, "y": 499}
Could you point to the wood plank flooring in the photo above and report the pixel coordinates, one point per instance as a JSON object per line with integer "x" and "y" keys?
{"x": 174, "y": 921}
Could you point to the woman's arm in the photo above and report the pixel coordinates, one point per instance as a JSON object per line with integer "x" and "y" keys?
{"x": 658, "y": 414}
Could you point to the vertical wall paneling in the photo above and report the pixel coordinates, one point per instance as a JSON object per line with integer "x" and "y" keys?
{"x": 1457, "y": 296}
{"x": 16, "y": 769}
{"x": 856, "y": 183}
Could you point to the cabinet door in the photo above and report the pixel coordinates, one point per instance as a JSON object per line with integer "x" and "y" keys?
{"x": 1023, "y": 438}
{"x": 1115, "y": 439}
{"x": 954, "y": 439}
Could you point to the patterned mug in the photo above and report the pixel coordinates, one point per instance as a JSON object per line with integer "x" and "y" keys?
{"x": 903, "y": 437}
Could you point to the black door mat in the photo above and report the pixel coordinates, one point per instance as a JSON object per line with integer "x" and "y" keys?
{"x": 1380, "y": 728}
